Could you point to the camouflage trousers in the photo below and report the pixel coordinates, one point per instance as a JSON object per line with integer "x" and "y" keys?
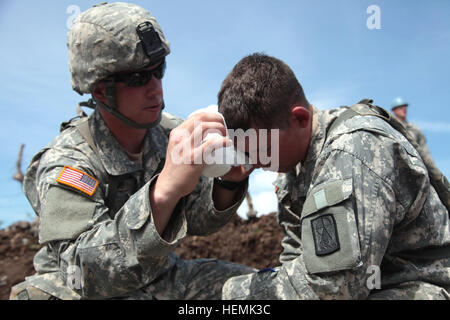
{"x": 198, "y": 279}
{"x": 282, "y": 284}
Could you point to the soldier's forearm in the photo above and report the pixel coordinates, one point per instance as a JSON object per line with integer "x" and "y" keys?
{"x": 224, "y": 198}
{"x": 163, "y": 205}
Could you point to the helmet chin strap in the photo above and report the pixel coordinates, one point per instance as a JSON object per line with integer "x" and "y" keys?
{"x": 112, "y": 108}
{"x": 128, "y": 121}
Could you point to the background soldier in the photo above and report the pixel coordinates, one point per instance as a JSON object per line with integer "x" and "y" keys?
{"x": 112, "y": 203}
{"x": 354, "y": 197}
{"x": 399, "y": 108}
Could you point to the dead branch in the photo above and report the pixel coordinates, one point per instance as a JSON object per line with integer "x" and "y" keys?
{"x": 18, "y": 176}
{"x": 251, "y": 214}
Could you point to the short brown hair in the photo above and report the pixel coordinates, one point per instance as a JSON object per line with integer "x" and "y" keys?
{"x": 260, "y": 90}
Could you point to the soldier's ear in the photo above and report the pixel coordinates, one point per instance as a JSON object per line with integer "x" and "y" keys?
{"x": 300, "y": 116}
{"x": 100, "y": 93}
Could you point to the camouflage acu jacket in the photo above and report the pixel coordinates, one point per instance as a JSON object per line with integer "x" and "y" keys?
{"x": 100, "y": 246}
{"x": 361, "y": 220}
{"x": 419, "y": 137}
{"x": 416, "y": 133}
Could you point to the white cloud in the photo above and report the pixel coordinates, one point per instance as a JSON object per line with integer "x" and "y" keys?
{"x": 433, "y": 126}
{"x": 262, "y": 180}
{"x": 330, "y": 98}
{"x": 263, "y": 202}
{"x": 324, "y": 104}
{"x": 262, "y": 192}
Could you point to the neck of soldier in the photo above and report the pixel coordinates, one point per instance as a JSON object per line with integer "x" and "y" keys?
{"x": 128, "y": 137}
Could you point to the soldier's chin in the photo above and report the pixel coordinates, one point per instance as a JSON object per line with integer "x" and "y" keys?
{"x": 149, "y": 117}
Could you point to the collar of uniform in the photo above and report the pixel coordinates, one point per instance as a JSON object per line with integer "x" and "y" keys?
{"x": 316, "y": 141}
{"x": 322, "y": 120}
{"x": 297, "y": 180}
{"x": 113, "y": 156}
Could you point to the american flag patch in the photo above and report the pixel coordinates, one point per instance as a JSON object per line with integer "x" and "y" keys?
{"x": 78, "y": 180}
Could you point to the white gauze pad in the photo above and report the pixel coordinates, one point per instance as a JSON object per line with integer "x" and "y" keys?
{"x": 228, "y": 155}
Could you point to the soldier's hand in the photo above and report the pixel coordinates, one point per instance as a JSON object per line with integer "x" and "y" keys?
{"x": 184, "y": 164}
{"x": 186, "y": 152}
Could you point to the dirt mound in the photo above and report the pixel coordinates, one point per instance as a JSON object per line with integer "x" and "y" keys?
{"x": 18, "y": 245}
{"x": 254, "y": 242}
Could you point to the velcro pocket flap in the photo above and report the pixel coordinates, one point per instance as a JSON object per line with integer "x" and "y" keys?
{"x": 326, "y": 195}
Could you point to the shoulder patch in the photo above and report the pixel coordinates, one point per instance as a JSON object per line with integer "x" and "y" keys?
{"x": 78, "y": 179}
{"x": 325, "y": 235}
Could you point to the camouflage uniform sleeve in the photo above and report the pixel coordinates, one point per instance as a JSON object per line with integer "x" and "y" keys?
{"x": 114, "y": 256}
{"x": 288, "y": 220}
{"x": 365, "y": 185}
{"x": 421, "y": 138}
{"x": 291, "y": 242}
{"x": 416, "y": 133}
{"x": 202, "y": 217}
{"x": 421, "y": 141}
{"x": 422, "y": 148}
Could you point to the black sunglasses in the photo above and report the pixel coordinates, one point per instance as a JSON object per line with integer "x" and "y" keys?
{"x": 142, "y": 77}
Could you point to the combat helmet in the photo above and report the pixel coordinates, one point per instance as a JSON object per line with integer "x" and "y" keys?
{"x": 110, "y": 38}
{"x": 398, "y": 102}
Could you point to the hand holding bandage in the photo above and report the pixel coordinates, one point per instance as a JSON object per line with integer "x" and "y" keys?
{"x": 220, "y": 160}
{"x": 190, "y": 152}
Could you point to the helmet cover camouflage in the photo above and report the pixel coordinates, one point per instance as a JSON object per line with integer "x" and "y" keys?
{"x": 103, "y": 40}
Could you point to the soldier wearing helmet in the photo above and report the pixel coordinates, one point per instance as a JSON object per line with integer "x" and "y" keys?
{"x": 112, "y": 202}
{"x": 399, "y": 108}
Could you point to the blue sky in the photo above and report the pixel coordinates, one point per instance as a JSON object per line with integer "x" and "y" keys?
{"x": 327, "y": 43}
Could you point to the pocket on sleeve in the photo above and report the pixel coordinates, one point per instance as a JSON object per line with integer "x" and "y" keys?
{"x": 65, "y": 215}
{"x": 329, "y": 228}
